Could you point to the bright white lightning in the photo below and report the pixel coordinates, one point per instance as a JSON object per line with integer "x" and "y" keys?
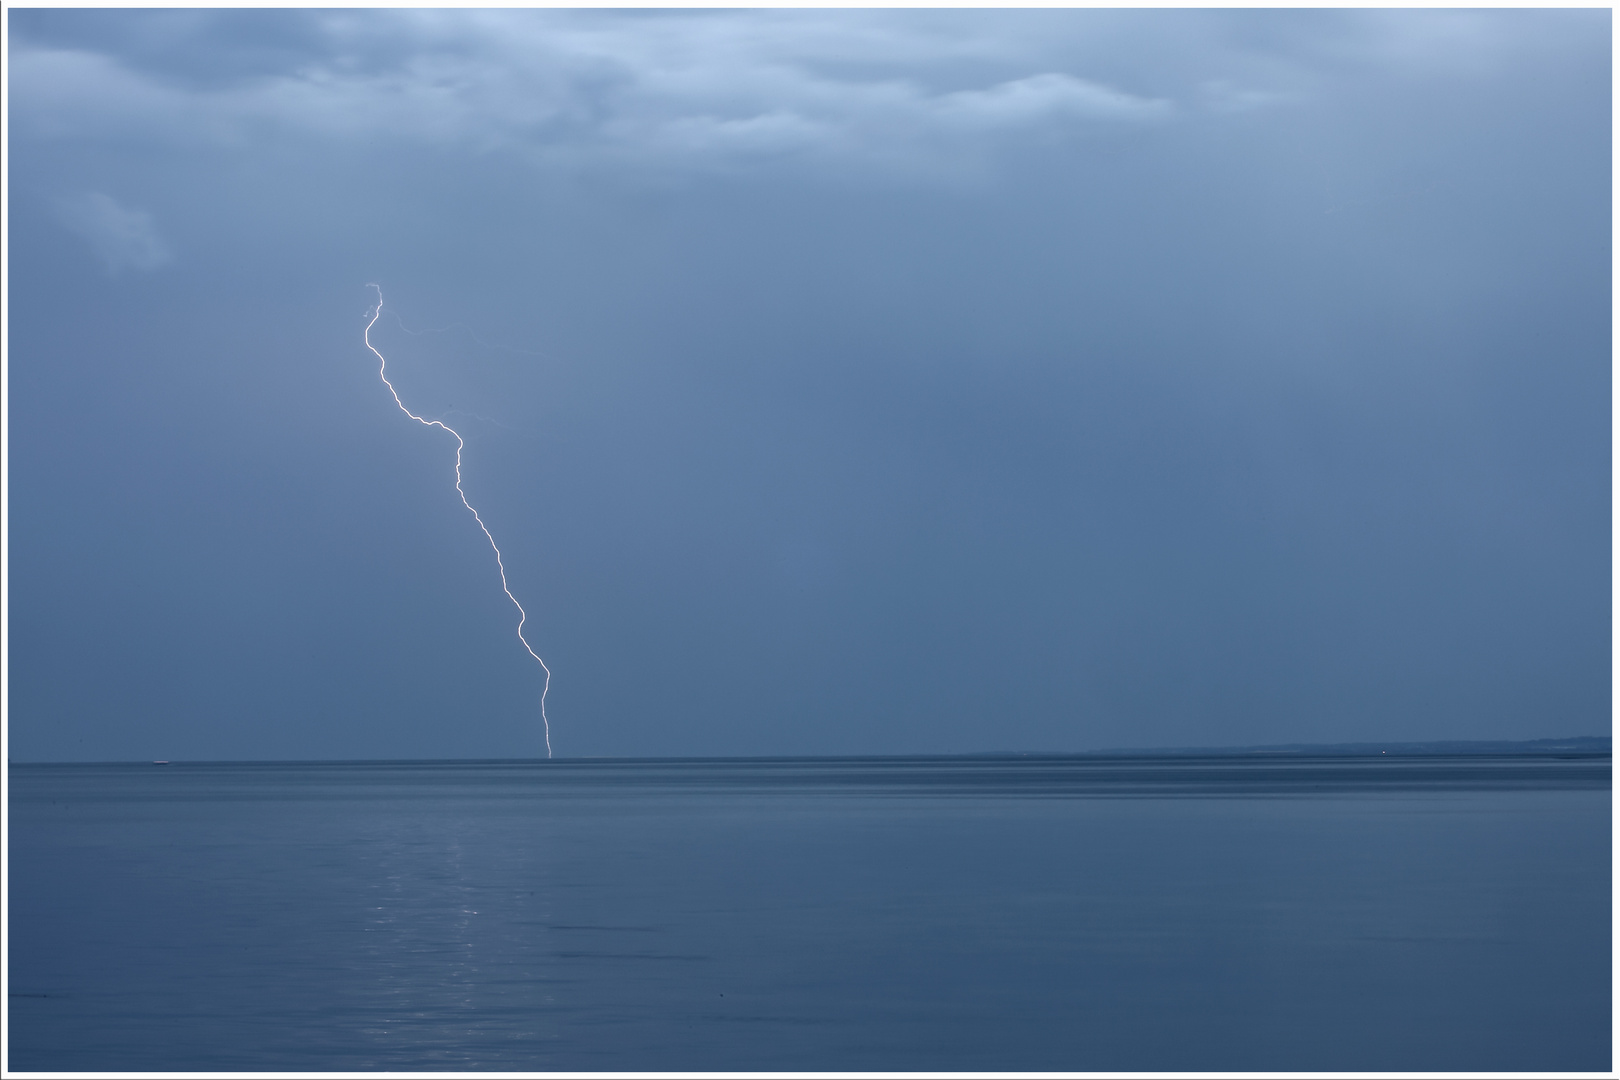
{"x": 523, "y": 616}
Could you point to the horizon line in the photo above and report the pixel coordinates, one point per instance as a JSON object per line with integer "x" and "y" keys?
{"x": 1412, "y": 748}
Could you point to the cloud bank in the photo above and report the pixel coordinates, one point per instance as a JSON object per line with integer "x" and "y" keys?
{"x": 915, "y": 92}
{"x": 672, "y": 90}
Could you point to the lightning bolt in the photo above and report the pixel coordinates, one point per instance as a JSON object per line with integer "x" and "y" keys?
{"x": 523, "y": 616}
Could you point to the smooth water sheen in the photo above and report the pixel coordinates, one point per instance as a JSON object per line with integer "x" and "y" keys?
{"x": 1039, "y": 913}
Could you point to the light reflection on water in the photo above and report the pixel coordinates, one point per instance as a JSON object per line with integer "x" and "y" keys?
{"x": 923, "y": 914}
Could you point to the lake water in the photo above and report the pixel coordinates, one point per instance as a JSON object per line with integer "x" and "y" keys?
{"x": 843, "y": 914}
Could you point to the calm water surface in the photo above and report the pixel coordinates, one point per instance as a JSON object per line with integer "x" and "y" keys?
{"x": 965, "y": 914}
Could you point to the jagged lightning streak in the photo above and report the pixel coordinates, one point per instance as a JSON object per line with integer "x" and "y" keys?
{"x": 523, "y": 616}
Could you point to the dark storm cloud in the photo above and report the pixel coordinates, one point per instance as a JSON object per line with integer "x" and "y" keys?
{"x": 682, "y": 90}
{"x": 835, "y": 381}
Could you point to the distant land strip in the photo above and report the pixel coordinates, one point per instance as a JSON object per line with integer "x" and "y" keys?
{"x": 1579, "y": 744}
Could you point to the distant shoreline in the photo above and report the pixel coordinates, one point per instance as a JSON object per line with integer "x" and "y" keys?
{"x": 1580, "y": 744}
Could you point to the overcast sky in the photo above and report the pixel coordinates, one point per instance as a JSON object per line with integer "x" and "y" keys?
{"x": 833, "y": 381}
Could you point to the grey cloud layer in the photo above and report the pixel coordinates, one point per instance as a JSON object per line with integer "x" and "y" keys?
{"x": 913, "y": 92}
{"x": 686, "y": 89}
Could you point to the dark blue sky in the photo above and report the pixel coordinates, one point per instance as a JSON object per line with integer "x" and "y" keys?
{"x": 834, "y": 382}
